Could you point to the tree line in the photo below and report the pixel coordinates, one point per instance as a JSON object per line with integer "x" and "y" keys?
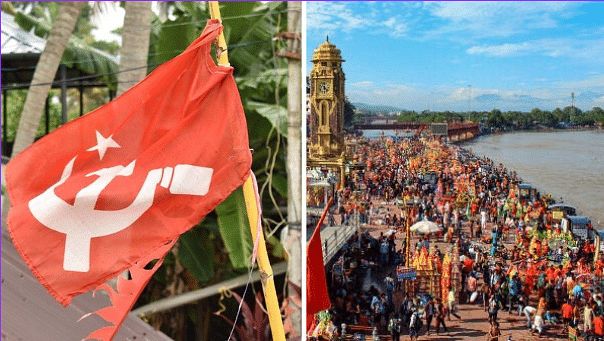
{"x": 503, "y": 121}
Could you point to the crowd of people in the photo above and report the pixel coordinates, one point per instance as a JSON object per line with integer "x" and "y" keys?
{"x": 516, "y": 257}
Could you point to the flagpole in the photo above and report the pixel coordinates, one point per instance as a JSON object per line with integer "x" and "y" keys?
{"x": 266, "y": 272}
{"x": 221, "y": 52}
{"x": 249, "y": 193}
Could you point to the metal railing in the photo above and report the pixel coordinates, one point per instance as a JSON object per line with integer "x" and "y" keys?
{"x": 338, "y": 236}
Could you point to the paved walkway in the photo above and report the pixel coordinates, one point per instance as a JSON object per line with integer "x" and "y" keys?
{"x": 474, "y": 324}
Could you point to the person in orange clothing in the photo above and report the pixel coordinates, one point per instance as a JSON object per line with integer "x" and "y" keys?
{"x": 599, "y": 266}
{"x": 587, "y": 247}
{"x": 550, "y": 273}
{"x": 567, "y": 314}
{"x": 598, "y": 325}
{"x": 468, "y": 264}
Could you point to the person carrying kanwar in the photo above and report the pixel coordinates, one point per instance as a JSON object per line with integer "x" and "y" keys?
{"x": 471, "y": 283}
{"x": 452, "y": 306}
{"x": 394, "y": 327}
{"x": 414, "y": 324}
{"x": 493, "y": 308}
{"x": 588, "y": 317}
{"x": 539, "y": 323}
{"x": 430, "y": 312}
{"x": 441, "y": 312}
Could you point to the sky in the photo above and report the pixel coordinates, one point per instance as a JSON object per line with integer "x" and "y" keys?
{"x": 111, "y": 18}
{"x": 108, "y": 20}
{"x": 464, "y": 56}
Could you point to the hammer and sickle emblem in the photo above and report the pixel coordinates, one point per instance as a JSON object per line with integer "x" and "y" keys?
{"x": 80, "y": 222}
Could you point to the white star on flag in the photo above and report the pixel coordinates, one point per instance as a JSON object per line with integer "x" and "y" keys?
{"x": 102, "y": 144}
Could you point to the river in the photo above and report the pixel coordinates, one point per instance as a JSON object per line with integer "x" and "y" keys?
{"x": 568, "y": 164}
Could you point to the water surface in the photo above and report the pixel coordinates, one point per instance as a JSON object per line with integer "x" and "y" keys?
{"x": 567, "y": 164}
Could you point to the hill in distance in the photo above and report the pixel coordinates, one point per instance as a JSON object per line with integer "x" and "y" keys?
{"x": 376, "y": 108}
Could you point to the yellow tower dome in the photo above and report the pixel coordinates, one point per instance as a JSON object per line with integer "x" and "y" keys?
{"x": 327, "y": 52}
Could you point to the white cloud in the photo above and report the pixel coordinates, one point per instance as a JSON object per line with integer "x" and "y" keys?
{"x": 363, "y": 84}
{"x": 503, "y": 50}
{"x": 588, "y": 50}
{"x": 593, "y": 82}
{"x": 498, "y": 19}
{"x": 396, "y": 26}
{"x": 331, "y": 16}
{"x": 401, "y": 95}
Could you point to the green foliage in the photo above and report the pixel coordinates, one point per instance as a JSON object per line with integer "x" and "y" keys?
{"x": 349, "y": 115}
{"x": 170, "y": 38}
{"x": 234, "y": 229}
{"x": 196, "y": 253}
{"x": 15, "y": 101}
{"x": 111, "y": 47}
{"x": 597, "y": 115}
{"x": 496, "y": 119}
{"x": 278, "y": 250}
{"x": 249, "y": 29}
{"x": 273, "y": 112}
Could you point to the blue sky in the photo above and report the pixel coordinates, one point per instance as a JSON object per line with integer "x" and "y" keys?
{"x": 466, "y": 55}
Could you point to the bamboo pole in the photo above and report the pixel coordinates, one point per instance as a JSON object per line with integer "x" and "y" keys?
{"x": 221, "y": 52}
{"x": 250, "y": 193}
{"x": 266, "y": 272}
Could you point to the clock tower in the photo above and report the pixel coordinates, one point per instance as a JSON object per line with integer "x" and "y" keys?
{"x": 326, "y": 146}
{"x": 326, "y": 103}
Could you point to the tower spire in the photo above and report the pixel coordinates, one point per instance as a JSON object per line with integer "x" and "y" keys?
{"x": 327, "y": 35}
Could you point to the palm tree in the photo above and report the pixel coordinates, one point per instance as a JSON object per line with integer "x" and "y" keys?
{"x": 135, "y": 44}
{"x": 45, "y": 73}
{"x": 42, "y": 80}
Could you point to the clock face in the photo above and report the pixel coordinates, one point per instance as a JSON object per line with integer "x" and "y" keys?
{"x": 323, "y": 87}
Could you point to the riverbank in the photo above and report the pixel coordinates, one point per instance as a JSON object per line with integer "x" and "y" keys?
{"x": 544, "y": 129}
{"x": 566, "y": 164}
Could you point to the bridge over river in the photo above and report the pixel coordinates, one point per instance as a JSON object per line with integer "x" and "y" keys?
{"x": 455, "y": 131}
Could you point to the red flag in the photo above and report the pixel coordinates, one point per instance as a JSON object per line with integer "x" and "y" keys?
{"x": 108, "y": 190}
{"x": 317, "y": 298}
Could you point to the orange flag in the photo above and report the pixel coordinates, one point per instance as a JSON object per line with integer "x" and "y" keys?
{"x": 114, "y": 189}
{"x": 317, "y": 297}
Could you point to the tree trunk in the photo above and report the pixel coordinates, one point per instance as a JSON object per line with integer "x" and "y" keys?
{"x": 135, "y": 44}
{"x": 44, "y": 75}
